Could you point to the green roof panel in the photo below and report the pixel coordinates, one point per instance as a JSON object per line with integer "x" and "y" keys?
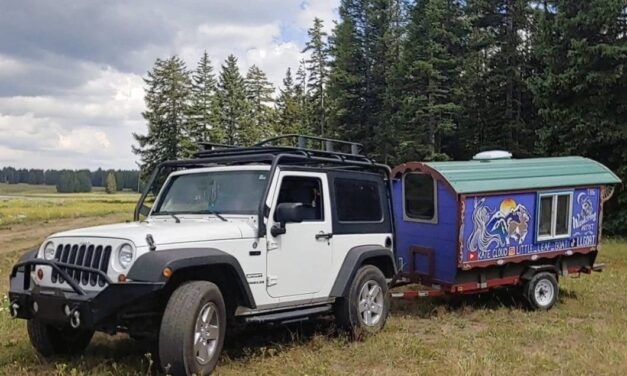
{"x": 478, "y": 176}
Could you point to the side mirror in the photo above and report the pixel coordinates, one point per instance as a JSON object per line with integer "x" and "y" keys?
{"x": 287, "y": 212}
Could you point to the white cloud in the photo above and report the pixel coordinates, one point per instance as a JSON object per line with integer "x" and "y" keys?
{"x": 9, "y": 66}
{"x": 72, "y": 87}
{"x": 84, "y": 141}
{"x": 326, "y": 10}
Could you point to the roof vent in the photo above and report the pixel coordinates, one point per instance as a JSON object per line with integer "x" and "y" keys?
{"x": 492, "y": 154}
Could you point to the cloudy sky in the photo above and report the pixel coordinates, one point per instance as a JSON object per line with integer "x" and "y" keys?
{"x": 71, "y": 89}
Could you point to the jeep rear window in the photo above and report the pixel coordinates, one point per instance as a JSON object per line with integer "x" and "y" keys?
{"x": 357, "y": 200}
{"x": 230, "y": 192}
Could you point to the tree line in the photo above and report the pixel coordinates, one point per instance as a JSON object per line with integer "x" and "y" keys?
{"x": 420, "y": 80}
{"x": 73, "y": 181}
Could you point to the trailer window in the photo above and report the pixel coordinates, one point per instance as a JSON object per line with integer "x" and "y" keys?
{"x": 419, "y": 197}
{"x": 554, "y": 214}
{"x": 357, "y": 200}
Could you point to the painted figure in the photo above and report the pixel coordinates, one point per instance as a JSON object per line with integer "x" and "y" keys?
{"x": 481, "y": 239}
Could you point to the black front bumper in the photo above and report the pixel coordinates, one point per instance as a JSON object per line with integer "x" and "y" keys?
{"x": 57, "y": 306}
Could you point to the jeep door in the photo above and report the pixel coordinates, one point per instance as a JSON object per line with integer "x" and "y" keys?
{"x": 299, "y": 260}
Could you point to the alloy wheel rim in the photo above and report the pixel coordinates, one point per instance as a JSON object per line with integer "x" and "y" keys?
{"x": 206, "y": 334}
{"x": 371, "y": 303}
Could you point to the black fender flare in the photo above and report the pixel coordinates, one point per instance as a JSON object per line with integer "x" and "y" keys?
{"x": 149, "y": 266}
{"x": 28, "y": 255}
{"x": 535, "y": 269}
{"x": 356, "y": 257}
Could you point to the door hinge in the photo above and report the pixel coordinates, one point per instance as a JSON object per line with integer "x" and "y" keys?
{"x": 272, "y": 245}
{"x": 272, "y": 280}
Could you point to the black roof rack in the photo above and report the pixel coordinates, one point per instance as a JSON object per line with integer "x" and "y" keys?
{"x": 275, "y": 151}
{"x": 293, "y": 149}
{"x": 286, "y": 144}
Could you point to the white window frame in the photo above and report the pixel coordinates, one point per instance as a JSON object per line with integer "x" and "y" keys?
{"x": 554, "y": 196}
{"x": 432, "y": 220}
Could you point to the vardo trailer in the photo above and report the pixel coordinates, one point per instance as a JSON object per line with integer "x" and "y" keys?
{"x": 468, "y": 226}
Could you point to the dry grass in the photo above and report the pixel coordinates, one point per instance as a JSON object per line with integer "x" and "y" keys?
{"x": 491, "y": 334}
{"x": 24, "y": 204}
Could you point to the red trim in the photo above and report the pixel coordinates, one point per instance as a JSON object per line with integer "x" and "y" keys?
{"x": 517, "y": 259}
{"x": 474, "y": 286}
{"x": 462, "y": 288}
{"x": 402, "y": 169}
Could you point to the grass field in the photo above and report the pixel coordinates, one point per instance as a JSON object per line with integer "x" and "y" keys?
{"x": 491, "y": 334}
{"x": 27, "y": 204}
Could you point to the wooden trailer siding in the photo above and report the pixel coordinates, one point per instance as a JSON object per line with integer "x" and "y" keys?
{"x": 504, "y": 227}
{"x": 439, "y": 237}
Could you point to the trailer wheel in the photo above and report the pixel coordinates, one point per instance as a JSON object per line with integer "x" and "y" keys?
{"x": 541, "y": 291}
{"x": 192, "y": 329}
{"x": 50, "y": 340}
{"x": 366, "y": 307}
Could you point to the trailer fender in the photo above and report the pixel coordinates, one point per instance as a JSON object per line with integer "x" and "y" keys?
{"x": 376, "y": 255}
{"x": 535, "y": 269}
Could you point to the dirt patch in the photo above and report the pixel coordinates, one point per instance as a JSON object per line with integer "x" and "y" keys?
{"x": 20, "y": 237}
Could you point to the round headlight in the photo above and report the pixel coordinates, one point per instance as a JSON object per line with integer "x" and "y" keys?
{"x": 49, "y": 251}
{"x": 125, "y": 255}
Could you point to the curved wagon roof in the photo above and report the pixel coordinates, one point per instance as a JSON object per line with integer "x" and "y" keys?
{"x": 492, "y": 175}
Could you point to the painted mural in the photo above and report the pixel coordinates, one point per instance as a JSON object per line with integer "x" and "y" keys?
{"x": 504, "y": 226}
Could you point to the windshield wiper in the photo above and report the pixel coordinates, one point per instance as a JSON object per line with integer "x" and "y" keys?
{"x": 177, "y": 219}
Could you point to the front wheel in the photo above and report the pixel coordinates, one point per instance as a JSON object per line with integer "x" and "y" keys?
{"x": 192, "y": 329}
{"x": 541, "y": 291}
{"x": 366, "y": 306}
{"x": 50, "y": 340}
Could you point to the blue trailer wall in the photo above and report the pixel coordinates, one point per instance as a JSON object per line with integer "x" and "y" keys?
{"x": 441, "y": 237}
{"x": 505, "y": 225}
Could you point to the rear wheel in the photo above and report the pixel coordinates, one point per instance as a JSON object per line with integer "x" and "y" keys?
{"x": 50, "y": 340}
{"x": 542, "y": 291}
{"x": 365, "y": 309}
{"x": 192, "y": 329}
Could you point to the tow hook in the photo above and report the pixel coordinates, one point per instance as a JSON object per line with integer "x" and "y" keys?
{"x": 13, "y": 309}
{"x": 75, "y": 319}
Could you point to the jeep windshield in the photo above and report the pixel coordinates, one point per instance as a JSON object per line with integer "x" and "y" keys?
{"x": 213, "y": 192}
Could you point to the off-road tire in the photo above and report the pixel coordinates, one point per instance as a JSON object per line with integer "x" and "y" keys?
{"x": 50, "y": 340}
{"x": 178, "y": 328}
{"x": 347, "y": 310}
{"x": 541, "y": 291}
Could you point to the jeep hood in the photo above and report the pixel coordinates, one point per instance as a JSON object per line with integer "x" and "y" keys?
{"x": 167, "y": 231}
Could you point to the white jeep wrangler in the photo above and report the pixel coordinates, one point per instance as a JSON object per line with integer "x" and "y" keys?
{"x": 236, "y": 235}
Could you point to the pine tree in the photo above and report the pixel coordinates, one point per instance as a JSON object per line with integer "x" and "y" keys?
{"x": 110, "y": 184}
{"x": 347, "y": 77}
{"x": 259, "y": 91}
{"x": 363, "y": 57}
{"x": 317, "y": 68}
{"x": 582, "y": 91}
{"x": 498, "y": 109}
{"x": 289, "y": 108}
{"x": 430, "y": 68}
{"x": 233, "y": 107}
{"x": 300, "y": 92}
{"x": 202, "y": 112}
{"x": 167, "y": 104}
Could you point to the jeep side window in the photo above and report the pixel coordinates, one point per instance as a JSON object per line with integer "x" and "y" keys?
{"x": 304, "y": 190}
{"x": 357, "y": 200}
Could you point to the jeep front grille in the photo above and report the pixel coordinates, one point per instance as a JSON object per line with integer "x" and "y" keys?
{"x": 95, "y": 257}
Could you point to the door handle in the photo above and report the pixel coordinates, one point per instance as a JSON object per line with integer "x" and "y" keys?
{"x": 323, "y": 235}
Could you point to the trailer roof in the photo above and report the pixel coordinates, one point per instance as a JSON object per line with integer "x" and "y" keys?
{"x": 478, "y": 176}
